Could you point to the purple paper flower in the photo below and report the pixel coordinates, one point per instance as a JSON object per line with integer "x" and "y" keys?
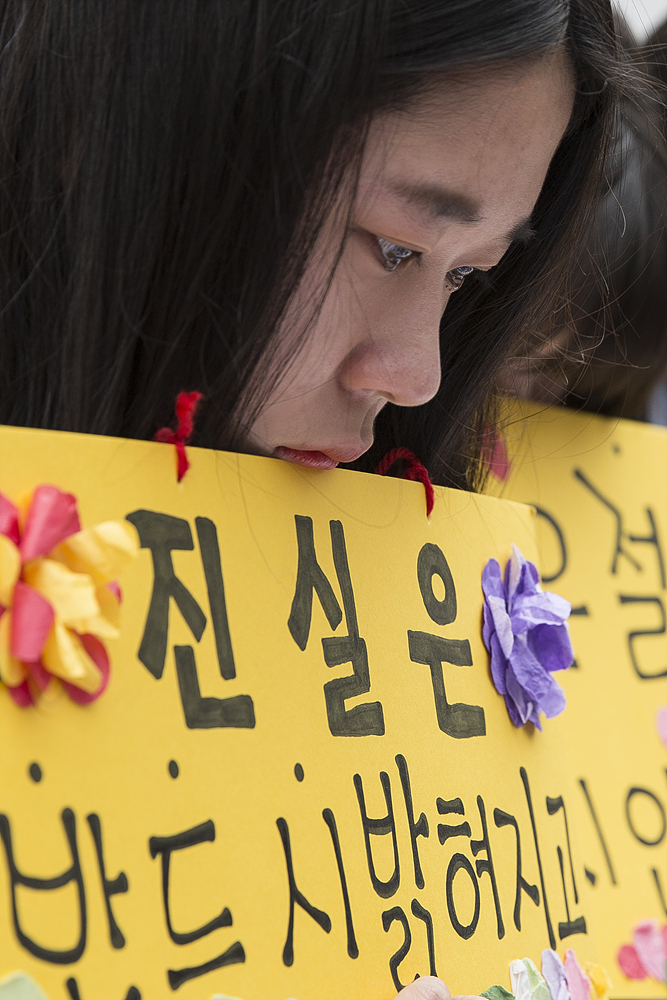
{"x": 526, "y": 635}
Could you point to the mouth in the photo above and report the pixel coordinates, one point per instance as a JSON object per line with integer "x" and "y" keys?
{"x": 316, "y": 459}
{"x": 309, "y": 459}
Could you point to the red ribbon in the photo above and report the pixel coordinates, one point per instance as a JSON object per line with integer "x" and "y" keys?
{"x": 414, "y": 471}
{"x": 186, "y": 407}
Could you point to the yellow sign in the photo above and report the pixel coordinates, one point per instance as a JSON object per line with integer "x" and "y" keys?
{"x": 599, "y": 487}
{"x": 300, "y": 781}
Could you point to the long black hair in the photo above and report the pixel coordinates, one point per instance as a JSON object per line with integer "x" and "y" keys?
{"x": 166, "y": 167}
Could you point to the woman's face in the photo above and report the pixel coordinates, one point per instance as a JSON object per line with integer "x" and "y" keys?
{"x": 445, "y": 186}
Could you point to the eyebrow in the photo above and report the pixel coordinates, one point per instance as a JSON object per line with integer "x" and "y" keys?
{"x": 438, "y": 201}
{"x": 444, "y": 204}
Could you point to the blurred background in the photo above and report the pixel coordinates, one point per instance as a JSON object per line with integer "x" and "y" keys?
{"x": 643, "y": 15}
{"x": 606, "y": 351}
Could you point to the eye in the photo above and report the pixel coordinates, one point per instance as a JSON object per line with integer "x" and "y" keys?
{"x": 455, "y": 278}
{"x": 394, "y": 254}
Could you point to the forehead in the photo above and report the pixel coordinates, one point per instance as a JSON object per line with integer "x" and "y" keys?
{"x": 472, "y": 139}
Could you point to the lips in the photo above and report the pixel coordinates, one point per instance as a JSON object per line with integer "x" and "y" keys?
{"x": 321, "y": 459}
{"x": 309, "y": 459}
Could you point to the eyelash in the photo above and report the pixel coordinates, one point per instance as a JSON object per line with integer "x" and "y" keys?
{"x": 394, "y": 255}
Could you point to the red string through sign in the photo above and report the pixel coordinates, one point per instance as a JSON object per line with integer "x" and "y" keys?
{"x": 186, "y": 408}
{"x": 414, "y": 470}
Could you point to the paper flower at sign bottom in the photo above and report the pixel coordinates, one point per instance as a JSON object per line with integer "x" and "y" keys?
{"x": 58, "y": 596}
{"x": 661, "y": 725}
{"x": 19, "y": 986}
{"x": 647, "y": 955}
{"x": 558, "y": 980}
{"x": 526, "y": 635}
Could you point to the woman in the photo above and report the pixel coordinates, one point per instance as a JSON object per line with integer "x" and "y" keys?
{"x": 271, "y": 202}
{"x": 172, "y": 172}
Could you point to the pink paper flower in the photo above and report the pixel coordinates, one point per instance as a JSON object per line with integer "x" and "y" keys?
{"x": 578, "y": 982}
{"x": 58, "y": 596}
{"x": 647, "y": 955}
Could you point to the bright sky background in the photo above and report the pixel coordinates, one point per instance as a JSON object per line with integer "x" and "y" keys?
{"x": 643, "y": 15}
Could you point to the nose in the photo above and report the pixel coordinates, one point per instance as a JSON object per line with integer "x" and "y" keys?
{"x": 399, "y": 358}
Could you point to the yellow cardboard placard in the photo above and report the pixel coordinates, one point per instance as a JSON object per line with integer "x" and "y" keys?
{"x": 276, "y": 797}
{"x": 599, "y": 487}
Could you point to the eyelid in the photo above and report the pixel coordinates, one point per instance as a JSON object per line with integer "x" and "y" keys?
{"x": 394, "y": 254}
{"x": 455, "y": 278}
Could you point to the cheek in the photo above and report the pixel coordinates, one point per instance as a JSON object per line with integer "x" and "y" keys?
{"x": 315, "y": 354}
{"x": 302, "y": 351}
{"x": 349, "y": 312}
